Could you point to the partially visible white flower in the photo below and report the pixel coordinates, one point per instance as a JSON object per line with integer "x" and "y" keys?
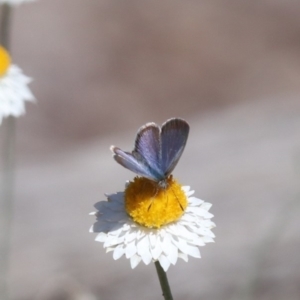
{"x": 121, "y": 234}
{"x": 14, "y": 89}
{"x": 14, "y": 2}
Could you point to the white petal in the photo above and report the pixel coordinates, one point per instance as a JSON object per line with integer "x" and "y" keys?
{"x": 91, "y": 228}
{"x": 102, "y": 226}
{"x": 208, "y": 239}
{"x": 164, "y": 262}
{"x": 112, "y": 241}
{"x": 192, "y": 251}
{"x": 130, "y": 236}
{"x": 189, "y": 193}
{"x": 206, "y": 232}
{"x": 101, "y": 237}
{"x": 134, "y": 261}
{"x": 142, "y": 244}
{"x": 156, "y": 251}
{"x": 199, "y": 211}
{"x": 143, "y": 249}
{"x": 152, "y": 239}
{"x": 110, "y": 249}
{"x": 147, "y": 258}
{"x": 183, "y": 256}
{"x": 130, "y": 249}
{"x": 118, "y": 252}
{"x": 181, "y": 231}
{"x": 140, "y": 234}
{"x": 193, "y": 201}
{"x": 172, "y": 254}
{"x": 185, "y": 248}
{"x": 199, "y": 242}
{"x": 206, "y": 205}
{"x": 166, "y": 244}
{"x": 187, "y": 218}
{"x": 116, "y": 230}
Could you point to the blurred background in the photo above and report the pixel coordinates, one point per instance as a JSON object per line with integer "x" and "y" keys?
{"x": 102, "y": 69}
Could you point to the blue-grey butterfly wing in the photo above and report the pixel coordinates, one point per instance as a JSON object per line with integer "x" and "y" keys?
{"x": 174, "y": 135}
{"x": 148, "y": 149}
{"x": 131, "y": 162}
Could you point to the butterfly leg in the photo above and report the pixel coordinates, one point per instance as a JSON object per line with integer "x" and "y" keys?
{"x": 178, "y": 200}
{"x": 152, "y": 198}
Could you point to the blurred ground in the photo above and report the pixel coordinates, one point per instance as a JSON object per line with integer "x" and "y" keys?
{"x": 104, "y": 65}
{"x": 101, "y": 69}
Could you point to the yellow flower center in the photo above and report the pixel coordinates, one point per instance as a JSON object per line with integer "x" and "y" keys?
{"x": 4, "y": 61}
{"x": 152, "y": 205}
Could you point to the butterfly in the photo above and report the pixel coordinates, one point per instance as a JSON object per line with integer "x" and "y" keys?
{"x": 157, "y": 150}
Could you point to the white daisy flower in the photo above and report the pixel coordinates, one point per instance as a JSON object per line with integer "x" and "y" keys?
{"x": 14, "y": 89}
{"x": 147, "y": 223}
{"x": 14, "y": 2}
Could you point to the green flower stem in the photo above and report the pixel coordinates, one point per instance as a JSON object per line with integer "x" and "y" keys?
{"x": 6, "y": 201}
{"x": 5, "y": 25}
{"x": 163, "y": 279}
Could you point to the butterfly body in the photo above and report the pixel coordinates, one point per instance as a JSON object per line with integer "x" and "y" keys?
{"x": 157, "y": 150}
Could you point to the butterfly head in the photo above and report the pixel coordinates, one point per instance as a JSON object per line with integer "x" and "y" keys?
{"x": 163, "y": 184}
